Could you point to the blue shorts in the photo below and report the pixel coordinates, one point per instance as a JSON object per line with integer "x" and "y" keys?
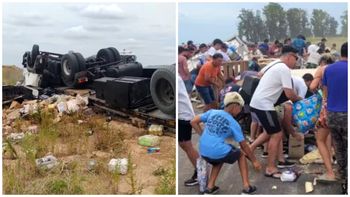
{"x": 207, "y": 94}
{"x": 188, "y": 85}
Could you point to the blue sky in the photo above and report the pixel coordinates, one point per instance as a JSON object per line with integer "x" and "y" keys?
{"x": 203, "y": 22}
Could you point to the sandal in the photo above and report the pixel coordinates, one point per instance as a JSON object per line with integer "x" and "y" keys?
{"x": 325, "y": 178}
{"x": 275, "y": 175}
{"x": 250, "y": 190}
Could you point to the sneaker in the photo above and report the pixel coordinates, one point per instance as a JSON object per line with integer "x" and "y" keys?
{"x": 251, "y": 190}
{"x": 285, "y": 164}
{"x": 193, "y": 180}
{"x": 214, "y": 190}
{"x": 264, "y": 155}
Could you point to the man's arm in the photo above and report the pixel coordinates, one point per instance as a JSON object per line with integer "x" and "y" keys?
{"x": 195, "y": 123}
{"x": 291, "y": 95}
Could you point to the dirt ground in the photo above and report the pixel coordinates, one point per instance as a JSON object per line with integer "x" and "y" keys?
{"x": 74, "y": 148}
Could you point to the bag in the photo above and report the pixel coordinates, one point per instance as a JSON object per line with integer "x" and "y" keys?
{"x": 306, "y": 112}
{"x": 203, "y": 168}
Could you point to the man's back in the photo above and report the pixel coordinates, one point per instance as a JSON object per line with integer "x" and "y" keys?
{"x": 336, "y": 79}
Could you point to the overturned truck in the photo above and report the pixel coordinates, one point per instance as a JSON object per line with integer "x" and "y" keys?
{"x": 119, "y": 83}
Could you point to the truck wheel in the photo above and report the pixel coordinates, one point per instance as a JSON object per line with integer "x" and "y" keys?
{"x": 162, "y": 88}
{"x": 81, "y": 61}
{"x": 26, "y": 59}
{"x": 69, "y": 66}
{"x": 115, "y": 54}
{"x": 106, "y": 55}
{"x": 40, "y": 64}
{"x": 33, "y": 54}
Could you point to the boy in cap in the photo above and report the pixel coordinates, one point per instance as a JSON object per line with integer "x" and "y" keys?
{"x": 220, "y": 125}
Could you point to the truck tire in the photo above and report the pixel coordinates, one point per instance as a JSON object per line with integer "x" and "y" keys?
{"x": 81, "y": 61}
{"x": 69, "y": 66}
{"x": 40, "y": 64}
{"x": 35, "y": 52}
{"x": 106, "y": 55}
{"x": 162, "y": 89}
{"x": 26, "y": 59}
{"x": 115, "y": 53}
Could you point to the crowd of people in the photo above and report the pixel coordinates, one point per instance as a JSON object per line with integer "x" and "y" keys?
{"x": 271, "y": 116}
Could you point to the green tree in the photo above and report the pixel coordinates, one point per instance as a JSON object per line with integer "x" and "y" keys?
{"x": 332, "y": 27}
{"x": 344, "y": 23}
{"x": 319, "y": 22}
{"x": 298, "y": 22}
{"x": 251, "y": 27}
{"x": 276, "y": 24}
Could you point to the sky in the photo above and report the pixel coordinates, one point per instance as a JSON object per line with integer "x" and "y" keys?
{"x": 146, "y": 29}
{"x": 203, "y": 22}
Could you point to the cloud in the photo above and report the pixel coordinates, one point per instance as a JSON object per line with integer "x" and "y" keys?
{"x": 29, "y": 20}
{"x": 102, "y": 27}
{"x": 101, "y": 11}
{"x": 76, "y": 32}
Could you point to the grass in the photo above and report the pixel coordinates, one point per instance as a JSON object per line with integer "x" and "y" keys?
{"x": 167, "y": 183}
{"x": 330, "y": 40}
{"x": 11, "y": 74}
{"x": 71, "y": 176}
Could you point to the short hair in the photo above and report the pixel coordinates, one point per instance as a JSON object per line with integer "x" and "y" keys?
{"x": 190, "y": 42}
{"x": 289, "y": 49}
{"x": 328, "y": 58}
{"x": 202, "y": 45}
{"x": 308, "y": 77}
{"x": 217, "y": 41}
{"x": 181, "y": 49}
{"x": 266, "y": 40}
{"x": 344, "y": 50}
{"x": 217, "y": 55}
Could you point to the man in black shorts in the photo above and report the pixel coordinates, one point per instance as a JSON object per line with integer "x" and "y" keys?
{"x": 184, "y": 130}
{"x": 276, "y": 79}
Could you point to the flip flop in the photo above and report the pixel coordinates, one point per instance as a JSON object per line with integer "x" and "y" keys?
{"x": 275, "y": 175}
{"x": 325, "y": 179}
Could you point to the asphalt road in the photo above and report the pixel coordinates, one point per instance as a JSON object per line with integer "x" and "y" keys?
{"x": 230, "y": 181}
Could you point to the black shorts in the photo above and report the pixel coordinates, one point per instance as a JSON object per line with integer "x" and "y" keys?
{"x": 230, "y": 158}
{"x": 184, "y": 130}
{"x": 268, "y": 120}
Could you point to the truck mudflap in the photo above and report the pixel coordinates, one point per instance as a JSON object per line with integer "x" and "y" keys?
{"x": 142, "y": 116}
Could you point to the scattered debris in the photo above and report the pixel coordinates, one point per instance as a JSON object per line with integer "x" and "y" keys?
{"x": 34, "y": 129}
{"x": 310, "y": 157}
{"x": 308, "y": 187}
{"x": 7, "y": 129}
{"x": 153, "y": 150}
{"x": 121, "y": 165}
{"x": 149, "y": 140}
{"x": 89, "y": 132}
{"x": 91, "y": 165}
{"x": 47, "y": 162}
{"x": 288, "y": 176}
{"x": 14, "y": 115}
{"x": 15, "y": 137}
{"x": 62, "y": 107}
{"x": 274, "y": 187}
{"x": 15, "y": 105}
{"x": 80, "y": 121}
{"x": 156, "y": 130}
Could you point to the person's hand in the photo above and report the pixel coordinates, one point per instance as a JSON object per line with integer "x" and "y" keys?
{"x": 257, "y": 165}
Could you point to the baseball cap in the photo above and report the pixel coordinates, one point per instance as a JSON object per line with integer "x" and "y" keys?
{"x": 233, "y": 97}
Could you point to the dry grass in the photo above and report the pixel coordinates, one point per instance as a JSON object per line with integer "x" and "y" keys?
{"x": 11, "y": 74}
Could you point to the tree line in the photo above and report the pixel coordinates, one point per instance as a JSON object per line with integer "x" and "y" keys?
{"x": 279, "y": 23}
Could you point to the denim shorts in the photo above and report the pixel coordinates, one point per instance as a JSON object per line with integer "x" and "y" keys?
{"x": 207, "y": 94}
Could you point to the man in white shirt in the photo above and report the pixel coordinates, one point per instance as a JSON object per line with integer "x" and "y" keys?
{"x": 185, "y": 115}
{"x": 276, "y": 79}
{"x": 313, "y": 56}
